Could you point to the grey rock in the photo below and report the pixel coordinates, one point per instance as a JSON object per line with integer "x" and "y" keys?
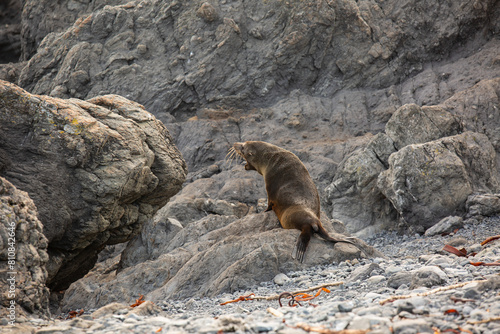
{"x": 412, "y": 124}
{"x": 459, "y": 241}
{"x": 211, "y": 60}
{"x": 10, "y": 31}
{"x": 371, "y": 322}
{"x": 23, "y": 255}
{"x": 281, "y": 279}
{"x": 37, "y": 22}
{"x": 207, "y": 12}
{"x": 151, "y": 242}
{"x": 412, "y": 326}
{"x": 376, "y": 279}
{"x": 445, "y": 225}
{"x": 472, "y": 293}
{"x": 10, "y": 72}
{"x": 426, "y": 182}
{"x": 112, "y": 308}
{"x": 484, "y": 204}
{"x": 363, "y": 272}
{"x": 405, "y": 306}
{"x": 353, "y": 195}
{"x": 214, "y": 255}
{"x": 146, "y": 309}
{"x": 492, "y": 282}
{"x": 399, "y": 279}
{"x": 428, "y": 276}
{"x": 436, "y": 260}
{"x": 96, "y": 170}
{"x": 476, "y": 109}
{"x": 345, "y": 307}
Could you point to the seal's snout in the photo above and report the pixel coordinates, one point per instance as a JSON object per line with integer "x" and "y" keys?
{"x": 238, "y": 147}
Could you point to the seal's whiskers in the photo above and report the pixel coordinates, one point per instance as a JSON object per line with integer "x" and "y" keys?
{"x": 231, "y": 156}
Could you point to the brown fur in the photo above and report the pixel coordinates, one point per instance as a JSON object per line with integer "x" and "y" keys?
{"x": 291, "y": 192}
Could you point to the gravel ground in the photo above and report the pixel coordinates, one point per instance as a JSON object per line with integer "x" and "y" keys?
{"x": 413, "y": 264}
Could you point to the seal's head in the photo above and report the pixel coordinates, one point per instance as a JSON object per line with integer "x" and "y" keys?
{"x": 248, "y": 152}
{"x": 255, "y": 154}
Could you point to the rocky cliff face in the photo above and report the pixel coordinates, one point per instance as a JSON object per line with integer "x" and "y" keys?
{"x": 393, "y": 106}
{"x": 187, "y": 55}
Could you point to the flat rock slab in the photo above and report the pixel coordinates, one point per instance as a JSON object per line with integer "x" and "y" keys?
{"x": 213, "y": 255}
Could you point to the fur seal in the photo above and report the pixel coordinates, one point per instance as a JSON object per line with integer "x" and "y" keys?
{"x": 291, "y": 192}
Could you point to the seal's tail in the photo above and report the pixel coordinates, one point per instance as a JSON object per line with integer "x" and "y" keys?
{"x": 302, "y": 243}
{"x": 324, "y": 234}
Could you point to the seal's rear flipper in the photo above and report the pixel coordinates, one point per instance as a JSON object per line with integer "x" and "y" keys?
{"x": 302, "y": 242}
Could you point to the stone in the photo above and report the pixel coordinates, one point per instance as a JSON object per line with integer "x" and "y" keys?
{"x": 146, "y": 309}
{"x": 353, "y": 194}
{"x": 345, "y": 307}
{"x": 483, "y": 204}
{"x": 412, "y": 124}
{"x": 298, "y": 48}
{"x": 430, "y": 181}
{"x": 363, "y": 272}
{"x": 477, "y": 110}
{"x": 151, "y": 242}
{"x": 398, "y": 279}
{"x": 36, "y": 23}
{"x": 207, "y": 12}
{"x": 281, "y": 279}
{"x": 23, "y": 254}
{"x": 492, "y": 282}
{"x": 96, "y": 170}
{"x": 10, "y": 31}
{"x": 112, "y": 308}
{"x": 412, "y": 326}
{"x": 428, "y": 276}
{"x": 445, "y": 226}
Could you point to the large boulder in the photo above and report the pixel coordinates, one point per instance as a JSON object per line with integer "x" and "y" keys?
{"x": 23, "y": 256}
{"x": 483, "y": 204}
{"x": 353, "y": 195}
{"x": 478, "y": 107}
{"x": 412, "y": 124}
{"x": 430, "y": 181}
{"x": 96, "y": 170}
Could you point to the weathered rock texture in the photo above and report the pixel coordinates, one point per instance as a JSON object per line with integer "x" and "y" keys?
{"x": 96, "y": 169}
{"x": 23, "y": 255}
{"x": 237, "y": 53}
{"x": 212, "y": 255}
{"x": 427, "y": 182}
{"x": 483, "y": 205}
{"x": 10, "y": 31}
{"x": 39, "y": 18}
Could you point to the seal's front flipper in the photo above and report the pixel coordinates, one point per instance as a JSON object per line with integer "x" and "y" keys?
{"x": 302, "y": 242}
